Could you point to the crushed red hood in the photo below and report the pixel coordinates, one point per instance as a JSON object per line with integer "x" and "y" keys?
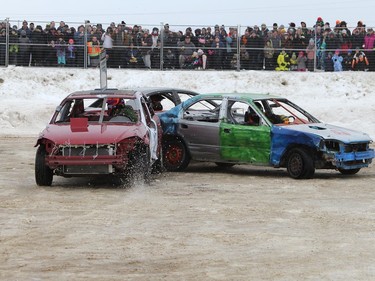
{"x": 92, "y": 134}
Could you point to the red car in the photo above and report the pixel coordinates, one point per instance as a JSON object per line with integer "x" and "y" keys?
{"x": 100, "y": 132}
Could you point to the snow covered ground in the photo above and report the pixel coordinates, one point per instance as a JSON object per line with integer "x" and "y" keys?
{"x": 30, "y": 95}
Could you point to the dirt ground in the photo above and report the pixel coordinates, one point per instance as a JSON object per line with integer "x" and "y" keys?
{"x": 243, "y": 223}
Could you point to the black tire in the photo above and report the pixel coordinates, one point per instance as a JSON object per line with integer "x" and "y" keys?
{"x": 224, "y": 165}
{"x": 175, "y": 156}
{"x": 43, "y": 174}
{"x": 300, "y": 164}
{"x": 349, "y": 172}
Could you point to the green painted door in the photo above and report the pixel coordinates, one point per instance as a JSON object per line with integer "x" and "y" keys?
{"x": 245, "y": 143}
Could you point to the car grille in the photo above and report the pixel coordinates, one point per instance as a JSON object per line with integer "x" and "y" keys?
{"x": 356, "y": 147}
{"x": 87, "y": 150}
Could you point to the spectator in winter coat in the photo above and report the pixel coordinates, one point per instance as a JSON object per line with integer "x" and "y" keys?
{"x": 310, "y": 53}
{"x": 187, "y": 48}
{"x": 39, "y": 41}
{"x": 269, "y": 52}
{"x": 255, "y": 47}
{"x": 358, "y": 39}
{"x": 23, "y": 57}
{"x": 359, "y": 62}
{"x": 25, "y": 28}
{"x": 283, "y": 61}
{"x": 331, "y": 42}
{"x": 369, "y": 48}
{"x": 337, "y": 61}
{"x": 71, "y": 54}
{"x": 346, "y": 42}
{"x": 328, "y": 63}
{"x": 61, "y": 52}
{"x": 216, "y": 53}
{"x": 93, "y": 50}
{"x": 146, "y": 48}
{"x": 347, "y": 62}
{"x": 301, "y": 61}
{"x": 79, "y": 37}
{"x": 293, "y": 62}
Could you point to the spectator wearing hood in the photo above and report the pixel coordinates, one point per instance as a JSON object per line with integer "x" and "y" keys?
{"x": 319, "y": 22}
{"x": 23, "y": 58}
{"x": 38, "y": 47}
{"x": 337, "y": 61}
{"x": 283, "y": 61}
{"x": 255, "y": 47}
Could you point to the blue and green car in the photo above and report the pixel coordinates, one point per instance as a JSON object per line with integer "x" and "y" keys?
{"x": 230, "y": 129}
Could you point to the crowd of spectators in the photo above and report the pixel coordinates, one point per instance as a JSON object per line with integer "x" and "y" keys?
{"x": 294, "y": 47}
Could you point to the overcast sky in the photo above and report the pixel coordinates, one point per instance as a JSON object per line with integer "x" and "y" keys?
{"x": 192, "y": 12}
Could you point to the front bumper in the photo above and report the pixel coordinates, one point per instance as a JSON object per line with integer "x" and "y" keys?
{"x": 353, "y": 160}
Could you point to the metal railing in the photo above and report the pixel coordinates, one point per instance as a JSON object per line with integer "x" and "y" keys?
{"x": 165, "y": 54}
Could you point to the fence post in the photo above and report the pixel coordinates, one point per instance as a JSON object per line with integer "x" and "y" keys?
{"x": 161, "y": 46}
{"x": 6, "y": 64}
{"x": 315, "y": 49}
{"x": 238, "y": 48}
{"x": 85, "y": 56}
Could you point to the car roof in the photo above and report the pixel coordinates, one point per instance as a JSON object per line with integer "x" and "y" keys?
{"x": 100, "y": 92}
{"x": 152, "y": 90}
{"x": 251, "y": 96}
{"x": 128, "y": 92}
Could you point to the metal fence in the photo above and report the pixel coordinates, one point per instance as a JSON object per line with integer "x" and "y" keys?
{"x": 164, "y": 47}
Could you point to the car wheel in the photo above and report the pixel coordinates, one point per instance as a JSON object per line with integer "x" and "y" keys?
{"x": 300, "y": 164}
{"x": 349, "y": 172}
{"x": 224, "y": 165}
{"x": 176, "y": 156}
{"x": 43, "y": 174}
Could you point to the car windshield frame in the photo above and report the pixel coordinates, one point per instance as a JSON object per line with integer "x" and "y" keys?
{"x": 99, "y": 110}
